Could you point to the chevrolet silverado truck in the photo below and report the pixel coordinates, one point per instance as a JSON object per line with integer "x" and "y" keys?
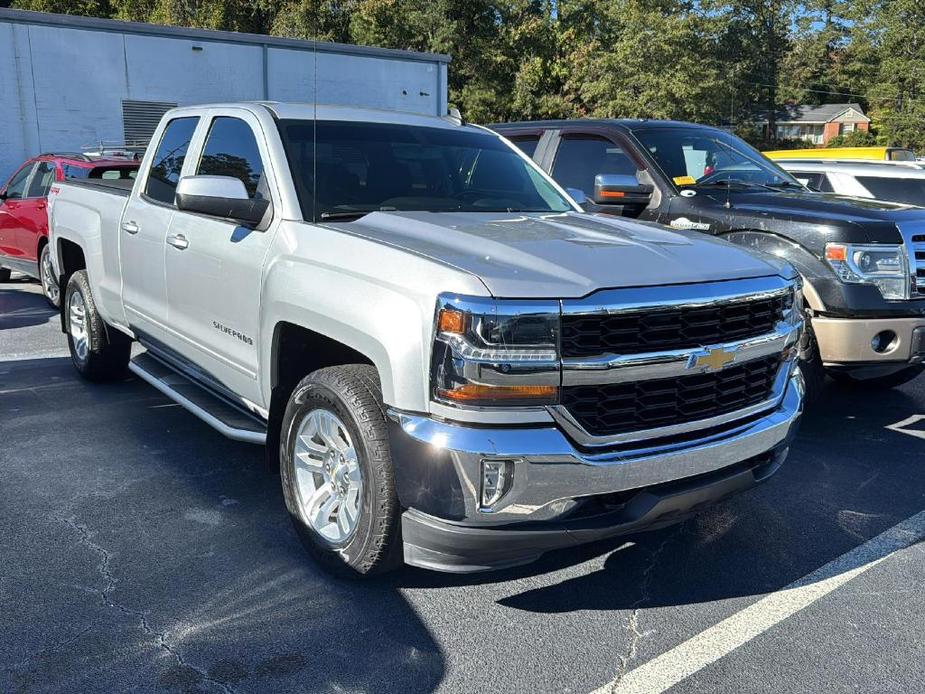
{"x": 862, "y": 261}
{"x": 449, "y": 362}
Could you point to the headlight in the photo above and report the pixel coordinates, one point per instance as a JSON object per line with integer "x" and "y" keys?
{"x": 883, "y": 266}
{"x": 490, "y": 353}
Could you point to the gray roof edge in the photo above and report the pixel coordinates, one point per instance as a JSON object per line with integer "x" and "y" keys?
{"x": 115, "y": 25}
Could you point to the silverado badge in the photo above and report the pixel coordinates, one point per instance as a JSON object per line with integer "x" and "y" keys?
{"x": 712, "y": 359}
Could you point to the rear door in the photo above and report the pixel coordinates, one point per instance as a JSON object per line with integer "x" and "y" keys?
{"x": 32, "y": 213}
{"x": 11, "y": 210}
{"x": 215, "y": 266}
{"x": 143, "y": 232}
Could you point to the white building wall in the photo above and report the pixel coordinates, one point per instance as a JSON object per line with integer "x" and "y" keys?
{"x": 68, "y": 79}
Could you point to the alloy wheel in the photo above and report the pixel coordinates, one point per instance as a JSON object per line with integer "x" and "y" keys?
{"x": 49, "y": 282}
{"x": 328, "y": 477}
{"x": 77, "y": 325}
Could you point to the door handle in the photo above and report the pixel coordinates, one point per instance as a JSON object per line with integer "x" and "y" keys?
{"x": 178, "y": 241}
{"x": 130, "y": 227}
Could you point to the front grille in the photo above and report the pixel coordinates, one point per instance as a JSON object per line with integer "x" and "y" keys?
{"x": 918, "y": 265}
{"x": 608, "y": 409}
{"x": 638, "y": 332}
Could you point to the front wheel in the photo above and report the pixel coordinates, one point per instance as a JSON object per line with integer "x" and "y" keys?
{"x": 336, "y": 471}
{"x": 47, "y": 275}
{"x": 897, "y": 378}
{"x": 810, "y": 362}
{"x": 99, "y": 353}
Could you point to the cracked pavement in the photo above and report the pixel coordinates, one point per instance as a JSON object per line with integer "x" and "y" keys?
{"x": 141, "y": 551}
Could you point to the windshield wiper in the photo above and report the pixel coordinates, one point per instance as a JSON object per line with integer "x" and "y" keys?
{"x": 344, "y": 216}
{"x": 734, "y": 183}
{"x": 786, "y": 184}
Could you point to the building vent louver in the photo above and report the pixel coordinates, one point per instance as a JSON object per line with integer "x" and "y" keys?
{"x": 140, "y": 119}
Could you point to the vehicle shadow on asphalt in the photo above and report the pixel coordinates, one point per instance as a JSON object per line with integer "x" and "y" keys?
{"x": 846, "y": 480}
{"x": 173, "y": 544}
{"x": 19, "y": 309}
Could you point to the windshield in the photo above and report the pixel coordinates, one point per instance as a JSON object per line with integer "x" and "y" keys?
{"x": 356, "y": 168}
{"x": 703, "y": 158}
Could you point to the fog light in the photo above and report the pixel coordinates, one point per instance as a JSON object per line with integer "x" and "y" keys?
{"x": 884, "y": 341}
{"x": 497, "y": 476}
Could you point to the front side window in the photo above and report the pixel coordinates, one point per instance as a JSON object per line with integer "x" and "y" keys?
{"x": 581, "y": 158}
{"x": 910, "y": 191}
{"x": 231, "y": 150}
{"x": 168, "y": 159}
{"x": 17, "y": 186}
{"x": 42, "y": 180}
{"x": 705, "y": 158}
{"x": 526, "y": 143}
{"x": 344, "y": 169}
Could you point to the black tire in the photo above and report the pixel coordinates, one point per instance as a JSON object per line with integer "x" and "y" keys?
{"x": 881, "y": 382}
{"x": 811, "y": 364}
{"x": 353, "y": 394}
{"x": 107, "y": 350}
{"x": 50, "y": 288}
{"x": 5, "y": 274}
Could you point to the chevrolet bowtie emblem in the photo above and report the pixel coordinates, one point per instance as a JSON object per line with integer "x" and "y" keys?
{"x": 712, "y": 360}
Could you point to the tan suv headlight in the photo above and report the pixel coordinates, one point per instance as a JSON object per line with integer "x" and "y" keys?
{"x": 495, "y": 353}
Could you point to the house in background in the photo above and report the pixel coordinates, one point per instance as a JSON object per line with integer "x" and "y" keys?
{"x": 816, "y": 125}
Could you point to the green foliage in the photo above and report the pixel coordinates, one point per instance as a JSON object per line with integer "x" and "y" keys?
{"x": 859, "y": 138}
{"x": 713, "y": 61}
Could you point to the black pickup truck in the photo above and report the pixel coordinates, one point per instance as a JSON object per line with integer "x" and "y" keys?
{"x": 862, "y": 261}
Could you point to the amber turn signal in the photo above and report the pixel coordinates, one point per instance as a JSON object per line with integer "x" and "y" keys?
{"x": 451, "y": 321}
{"x": 834, "y": 251}
{"x": 469, "y": 392}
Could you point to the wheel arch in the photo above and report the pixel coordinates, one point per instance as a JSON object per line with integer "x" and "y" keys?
{"x": 811, "y": 268}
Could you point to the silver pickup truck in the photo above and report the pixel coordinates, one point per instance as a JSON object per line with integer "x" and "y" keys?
{"x": 448, "y": 361}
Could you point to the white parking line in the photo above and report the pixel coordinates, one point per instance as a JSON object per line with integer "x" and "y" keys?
{"x": 671, "y": 667}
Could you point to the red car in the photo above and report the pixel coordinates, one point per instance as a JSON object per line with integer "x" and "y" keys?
{"x": 24, "y": 221}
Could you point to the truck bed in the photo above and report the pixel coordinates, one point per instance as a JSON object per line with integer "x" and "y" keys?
{"x": 119, "y": 186}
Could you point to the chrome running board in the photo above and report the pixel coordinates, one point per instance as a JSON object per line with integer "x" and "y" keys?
{"x": 218, "y": 413}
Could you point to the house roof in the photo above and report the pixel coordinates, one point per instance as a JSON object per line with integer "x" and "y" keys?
{"x": 804, "y": 113}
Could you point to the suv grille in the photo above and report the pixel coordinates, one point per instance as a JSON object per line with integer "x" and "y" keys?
{"x": 585, "y": 335}
{"x": 621, "y": 407}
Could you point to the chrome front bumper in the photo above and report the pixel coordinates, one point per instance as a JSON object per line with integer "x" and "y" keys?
{"x": 438, "y": 463}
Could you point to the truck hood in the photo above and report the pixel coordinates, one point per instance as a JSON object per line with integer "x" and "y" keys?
{"x": 846, "y": 218}
{"x": 560, "y": 255}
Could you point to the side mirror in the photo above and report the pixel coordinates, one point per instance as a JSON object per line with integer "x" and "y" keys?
{"x": 220, "y": 196}
{"x": 578, "y": 195}
{"x": 620, "y": 189}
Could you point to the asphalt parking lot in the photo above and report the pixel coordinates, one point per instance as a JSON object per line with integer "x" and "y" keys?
{"x": 141, "y": 551}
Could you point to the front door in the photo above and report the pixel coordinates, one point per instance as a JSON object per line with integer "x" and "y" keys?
{"x": 214, "y": 266}
{"x": 143, "y": 233}
{"x": 11, "y": 210}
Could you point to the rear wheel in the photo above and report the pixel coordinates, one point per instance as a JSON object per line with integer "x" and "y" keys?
{"x": 337, "y": 472}
{"x": 47, "y": 275}
{"x": 897, "y": 378}
{"x": 98, "y": 352}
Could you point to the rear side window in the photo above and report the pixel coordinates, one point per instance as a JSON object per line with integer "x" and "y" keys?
{"x": 231, "y": 150}
{"x": 42, "y": 180}
{"x": 17, "y": 185}
{"x": 112, "y": 174}
{"x": 580, "y": 158}
{"x": 526, "y": 143}
{"x": 907, "y": 190}
{"x": 168, "y": 159}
